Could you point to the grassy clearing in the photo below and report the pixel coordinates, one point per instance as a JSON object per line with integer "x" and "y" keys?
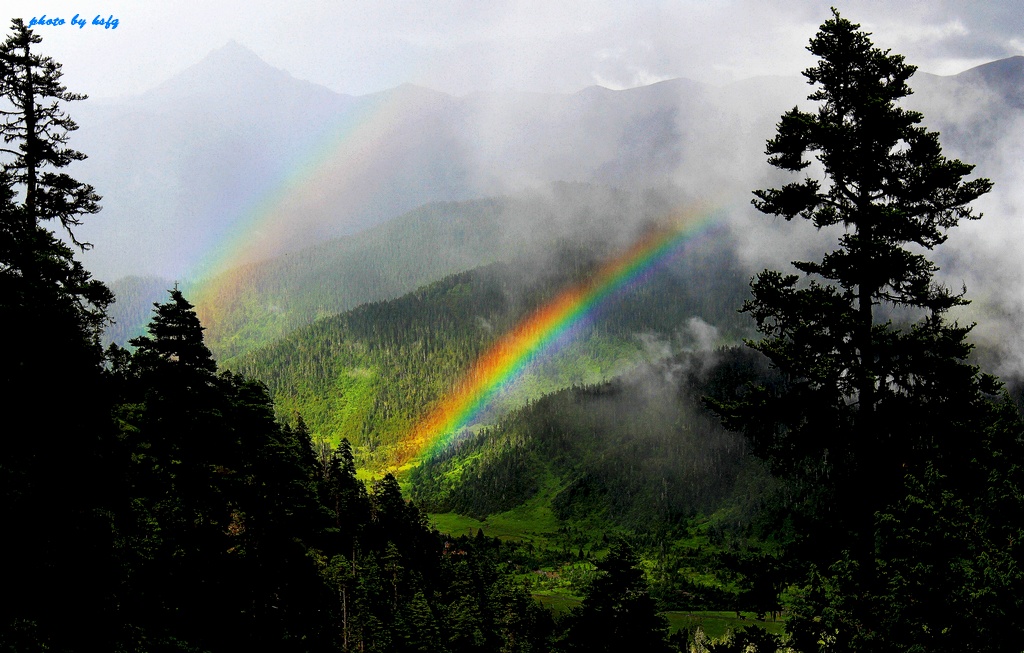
{"x": 451, "y": 523}
{"x": 532, "y": 521}
{"x": 558, "y": 587}
{"x": 557, "y": 602}
{"x": 717, "y": 624}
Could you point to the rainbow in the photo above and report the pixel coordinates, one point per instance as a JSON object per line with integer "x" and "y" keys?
{"x": 547, "y": 328}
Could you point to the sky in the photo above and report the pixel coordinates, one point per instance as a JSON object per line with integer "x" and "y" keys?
{"x": 462, "y": 46}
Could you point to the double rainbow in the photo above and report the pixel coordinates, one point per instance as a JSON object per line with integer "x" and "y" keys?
{"x": 544, "y": 330}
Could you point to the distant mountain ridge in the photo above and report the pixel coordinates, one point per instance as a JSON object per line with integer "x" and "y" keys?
{"x": 232, "y": 145}
{"x": 196, "y": 159}
{"x": 1005, "y": 77}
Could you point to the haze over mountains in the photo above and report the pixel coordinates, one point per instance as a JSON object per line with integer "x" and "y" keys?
{"x": 231, "y": 131}
{"x": 234, "y": 161}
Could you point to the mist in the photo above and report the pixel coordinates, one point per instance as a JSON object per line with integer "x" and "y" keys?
{"x": 239, "y": 154}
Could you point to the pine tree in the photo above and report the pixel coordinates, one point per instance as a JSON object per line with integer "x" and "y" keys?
{"x": 892, "y": 437}
{"x": 55, "y": 479}
{"x": 618, "y": 614}
{"x": 40, "y": 128}
{"x": 224, "y": 506}
{"x": 343, "y": 494}
{"x": 862, "y": 400}
{"x": 50, "y": 295}
{"x": 176, "y": 336}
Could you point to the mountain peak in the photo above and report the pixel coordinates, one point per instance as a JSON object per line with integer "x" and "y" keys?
{"x": 233, "y": 58}
{"x": 233, "y": 51}
{"x": 235, "y": 71}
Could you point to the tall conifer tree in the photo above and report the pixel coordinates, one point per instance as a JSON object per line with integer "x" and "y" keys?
{"x": 890, "y": 433}
{"x": 861, "y": 398}
{"x": 618, "y": 614}
{"x": 35, "y": 130}
{"x": 54, "y": 482}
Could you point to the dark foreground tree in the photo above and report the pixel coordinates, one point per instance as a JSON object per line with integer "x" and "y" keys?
{"x": 863, "y": 400}
{"x": 55, "y": 491}
{"x": 618, "y": 614}
{"x": 35, "y": 130}
{"x": 223, "y": 511}
{"x": 891, "y": 438}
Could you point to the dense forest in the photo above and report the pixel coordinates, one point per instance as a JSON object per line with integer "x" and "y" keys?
{"x": 856, "y": 476}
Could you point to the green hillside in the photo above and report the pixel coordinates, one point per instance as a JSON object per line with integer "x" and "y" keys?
{"x": 369, "y": 374}
{"x": 638, "y": 456}
{"x": 632, "y": 451}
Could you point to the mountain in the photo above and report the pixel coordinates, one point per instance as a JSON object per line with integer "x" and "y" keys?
{"x": 175, "y": 164}
{"x": 244, "y": 84}
{"x": 974, "y": 110}
{"x": 370, "y": 373}
{"x": 284, "y": 190}
{"x": 233, "y": 161}
{"x": 1002, "y": 77}
{"x": 254, "y": 304}
{"x": 204, "y": 155}
{"x": 654, "y": 141}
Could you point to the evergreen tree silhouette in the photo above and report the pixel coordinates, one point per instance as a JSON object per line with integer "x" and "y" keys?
{"x": 862, "y": 401}
{"x": 891, "y": 437}
{"x": 57, "y": 487}
{"x": 618, "y": 614}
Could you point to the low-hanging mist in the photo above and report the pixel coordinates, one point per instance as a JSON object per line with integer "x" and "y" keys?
{"x": 637, "y": 451}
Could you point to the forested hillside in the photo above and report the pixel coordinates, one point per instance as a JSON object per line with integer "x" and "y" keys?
{"x": 255, "y": 304}
{"x": 371, "y": 373}
{"x": 231, "y": 529}
{"x": 639, "y": 451}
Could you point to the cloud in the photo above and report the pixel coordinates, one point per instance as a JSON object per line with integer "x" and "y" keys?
{"x": 700, "y": 335}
